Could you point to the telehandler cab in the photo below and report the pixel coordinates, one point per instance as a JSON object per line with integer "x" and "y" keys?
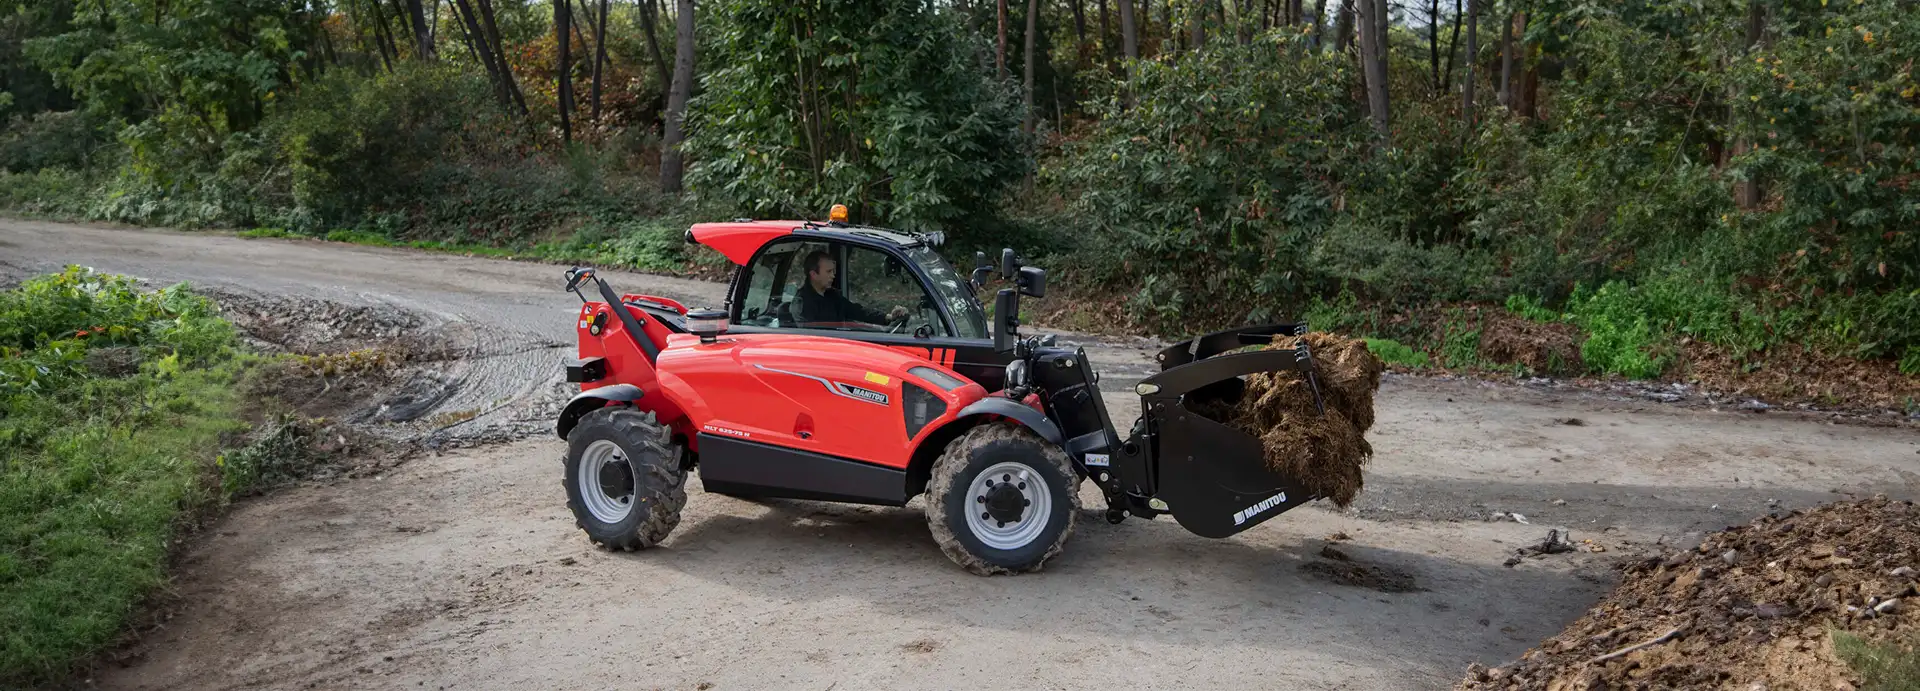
{"x": 996, "y": 429}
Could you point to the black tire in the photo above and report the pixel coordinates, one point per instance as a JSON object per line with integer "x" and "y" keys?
{"x": 646, "y": 452}
{"x": 948, "y": 503}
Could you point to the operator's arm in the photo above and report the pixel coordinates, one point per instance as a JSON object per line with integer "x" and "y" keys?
{"x": 861, "y": 312}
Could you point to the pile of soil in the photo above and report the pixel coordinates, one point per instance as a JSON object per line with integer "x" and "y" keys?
{"x": 1550, "y": 349}
{"x": 1325, "y": 452}
{"x": 1794, "y": 372}
{"x": 318, "y": 327}
{"x": 1751, "y": 605}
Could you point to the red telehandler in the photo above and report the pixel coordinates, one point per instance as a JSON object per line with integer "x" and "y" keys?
{"x": 996, "y": 430}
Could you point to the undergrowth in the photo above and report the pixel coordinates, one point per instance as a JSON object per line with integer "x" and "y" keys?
{"x": 113, "y": 404}
{"x": 1882, "y": 666}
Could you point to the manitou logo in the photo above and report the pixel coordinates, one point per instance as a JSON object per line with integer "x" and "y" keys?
{"x": 1259, "y": 508}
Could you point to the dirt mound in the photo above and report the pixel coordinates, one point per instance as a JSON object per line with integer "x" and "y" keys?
{"x": 1325, "y": 452}
{"x": 317, "y": 327}
{"x": 1552, "y": 349}
{"x": 1753, "y": 604}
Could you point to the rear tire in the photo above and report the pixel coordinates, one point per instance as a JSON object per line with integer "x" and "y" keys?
{"x": 1002, "y": 500}
{"x": 623, "y": 479}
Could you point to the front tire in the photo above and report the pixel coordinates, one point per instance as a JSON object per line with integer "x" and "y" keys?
{"x": 623, "y": 479}
{"x": 1002, "y": 500}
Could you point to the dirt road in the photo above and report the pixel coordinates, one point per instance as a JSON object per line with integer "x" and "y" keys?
{"x": 463, "y": 569}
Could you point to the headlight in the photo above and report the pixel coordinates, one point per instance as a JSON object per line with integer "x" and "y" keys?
{"x": 1016, "y": 373}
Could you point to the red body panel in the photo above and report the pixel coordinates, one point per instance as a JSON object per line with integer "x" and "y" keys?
{"x": 778, "y": 389}
{"x": 626, "y": 364}
{"x": 791, "y": 391}
{"x": 738, "y": 241}
{"x": 668, "y": 303}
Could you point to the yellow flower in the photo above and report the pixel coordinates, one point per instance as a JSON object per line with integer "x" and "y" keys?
{"x": 1868, "y": 37}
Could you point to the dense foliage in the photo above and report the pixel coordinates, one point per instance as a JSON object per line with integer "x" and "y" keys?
{"x": 878, "y": 105}
{"x": 1653, "y": 173}
{"x": 112, "y": 400}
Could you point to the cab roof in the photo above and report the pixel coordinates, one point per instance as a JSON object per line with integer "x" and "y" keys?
{"x": 739, "y": 240}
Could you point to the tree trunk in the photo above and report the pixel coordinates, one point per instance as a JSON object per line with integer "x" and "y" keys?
{"x": 1243, "y": 29}
{"x": 1026, "y": 89}
{"x": 1473, "y": 58}
{"x": 500, "y": 54}
{"x": 1373, "y": 64}
{"x": 1453, "y": 45}
{"x": 1343, "y": 26}
{"x": 422, "y": 39}
{"x": 1319, "y": 20}
{"x": 1000, "y": 52}
{"x": 1505, "y": 92}
{"x": 388, "y": 51}
{"x": 599, "y": 56}
{"x": 1128, "y": 39}
{"x": 670, "y": 162}
{"x": 1079, "y": 25}
{"x": 483, "y": 52}
{"x": 1522, "y": 96}
{"x": 650, "y": 22}
{"x": 1106, "y": 32}
{"x": 562, "y": 19}
{"x": 1198, "y": 25}
{"x": 1433, "y": 40}
{"x": 575, "y": 25}
{"x": 406, "y": 29}
{"x": 1746, "y": 193}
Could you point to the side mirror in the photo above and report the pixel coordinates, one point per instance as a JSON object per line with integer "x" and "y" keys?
{"x": 981, "y": 269}
{"x": 1008, "y": 263}
{"x": 1032, "y": 281}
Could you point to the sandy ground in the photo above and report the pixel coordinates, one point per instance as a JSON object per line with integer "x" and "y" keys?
{"x": 463, "y": 569}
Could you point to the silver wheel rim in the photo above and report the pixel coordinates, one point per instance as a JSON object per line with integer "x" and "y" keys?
{"x": 602, "y": 467}
{"x": 1033, "y": 493}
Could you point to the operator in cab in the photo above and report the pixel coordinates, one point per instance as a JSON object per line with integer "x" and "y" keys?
{"x": 818, "y": 302}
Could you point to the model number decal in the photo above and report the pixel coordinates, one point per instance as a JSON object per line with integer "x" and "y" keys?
{"x": 1260, "y": 508}
{"x": 722, "y": 430}
{"x": 1097, "y": 459}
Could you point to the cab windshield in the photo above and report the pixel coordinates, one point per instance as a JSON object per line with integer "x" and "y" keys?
{"x": 969, "y": 320}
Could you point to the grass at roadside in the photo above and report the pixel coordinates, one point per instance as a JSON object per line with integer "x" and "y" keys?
{"x": 114, "y": 406}
{"x": 1882, "y": 666}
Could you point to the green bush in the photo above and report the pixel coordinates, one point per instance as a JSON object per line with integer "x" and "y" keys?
{"x": 1211, "y": 189}
{"x": 906, "y": 129}
{"x": 111, "y": 399}
{"x": 55, "y": 139}
{"x": 351, "y": 143}
{"x": 1396, "y": 353}
{"x": 1888, "y": 666}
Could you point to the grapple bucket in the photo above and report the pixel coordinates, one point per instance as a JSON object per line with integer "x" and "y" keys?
{"x": 1214, "y": 478}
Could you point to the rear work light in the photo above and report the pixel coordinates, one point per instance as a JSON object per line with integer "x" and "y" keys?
{"x": 707, "y": 324}
{"x": 921, "y": 407}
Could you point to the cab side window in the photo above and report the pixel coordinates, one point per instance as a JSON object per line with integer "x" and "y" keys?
{"x": 882, "y": 282}
{"x": 772, "y": 280}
